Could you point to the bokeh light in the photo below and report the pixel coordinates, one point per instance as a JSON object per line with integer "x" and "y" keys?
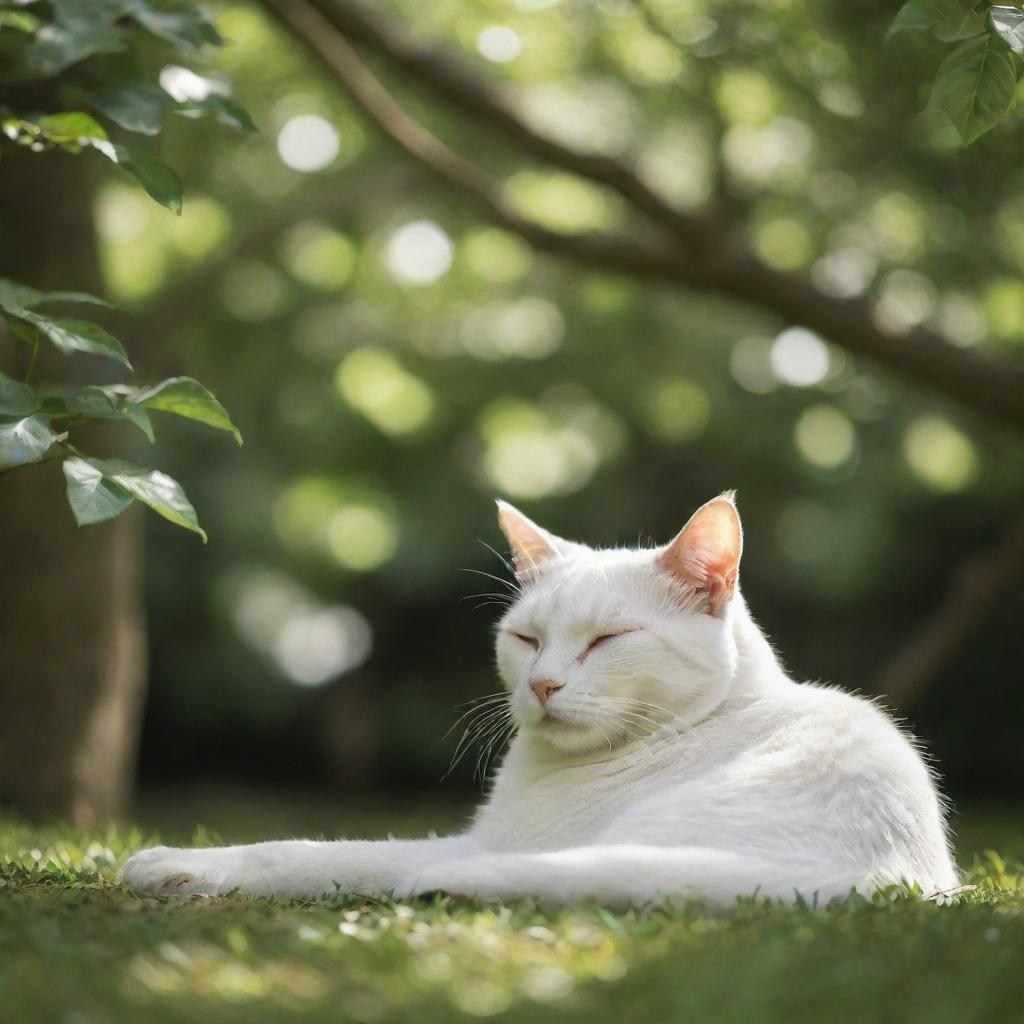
{"x": 527, "y": 328}
{"x": 940, "y": 455}
{"x": 318, "y": 256}
{"x": 419, "y": 253}
{"x": 499, "y": 43}
{"x": 750, "y": 362}
{"x": 677, "y": 410}
{"x": 310, "y": 643}
{"x": 308, "y": 143}
{"x": 825, "y": 436}
{"x": 534, "y": 451}
{"x": 375, "y": 384}
{"x": 799, "y": 357}
{"x": 354, "y": 525}
{"x": 252, "y": 291}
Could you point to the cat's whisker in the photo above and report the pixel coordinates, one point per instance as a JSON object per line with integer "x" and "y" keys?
{"x": 506, "y": 599}
{"x": 487, "y": 715}
{"x": 468, "y": 737}
{"x": 473, "y": 706}
{"x": 514, "y": 587}
{"x": 497, "y": 732}
{"x": 501, "y": 558}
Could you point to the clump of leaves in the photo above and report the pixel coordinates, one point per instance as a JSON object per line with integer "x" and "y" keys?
{"x": 101, "y": 77}
{"x": 104, "y": 76}
{"x": 36, "y": 421}
{"x": 976, "y": 85}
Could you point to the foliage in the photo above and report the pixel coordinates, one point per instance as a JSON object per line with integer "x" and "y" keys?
{"x": 104, "y": 56}
{"x": 74, "y": 943}
{"x": 33, "y": 418}
{"x": 976, "y": 85}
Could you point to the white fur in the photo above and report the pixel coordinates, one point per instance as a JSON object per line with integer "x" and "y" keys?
{"x": 676, "y": 759}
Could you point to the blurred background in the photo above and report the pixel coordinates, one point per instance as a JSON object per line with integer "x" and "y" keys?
{"x": 395, "y": 362}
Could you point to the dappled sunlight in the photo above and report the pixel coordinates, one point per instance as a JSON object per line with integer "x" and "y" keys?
{"x": 419, "y": 253}
{"x": 527, "y": 328}
{"x": 354, "y": 525}
{"x": 677, "y": 410}
{"x": 308, "y": 143}
{"x": 561, "y": 201}
{"x": 252, "y": 291}
{"x": 499, "y": 43}
{"x": 906, "y": 299}
{"x": 310, "y": 643}
{"x": 940, "y": 455}
{"x": 494, "y": 255}
{"x": 376, "y": 385}
{"x": 319, "y": 256}
{"x": 799, "y": 357}
{"x": 776, "y": 154}
{"x": 825, "y": 437}
{"x": 534, "y": 451}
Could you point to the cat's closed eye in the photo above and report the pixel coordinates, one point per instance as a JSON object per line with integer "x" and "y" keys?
{"x": 603, "y": 638}
{"x": 531, "y": 640}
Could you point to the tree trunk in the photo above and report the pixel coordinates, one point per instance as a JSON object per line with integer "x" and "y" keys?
{"x": 72, "y": 642}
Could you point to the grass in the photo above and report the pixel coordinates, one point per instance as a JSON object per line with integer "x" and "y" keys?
{"x": 76, "y": 948}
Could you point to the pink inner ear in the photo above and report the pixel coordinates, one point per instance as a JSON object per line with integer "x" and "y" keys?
{"x": 705, "y": 555}
{"x": 531, "y": 546}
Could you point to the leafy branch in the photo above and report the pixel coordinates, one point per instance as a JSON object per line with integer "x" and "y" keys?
{"x": 59, "y": 57}
{"x": 976, "y": 85}
{"x": 55, "y": 59}
{"x": 35, "y": 422}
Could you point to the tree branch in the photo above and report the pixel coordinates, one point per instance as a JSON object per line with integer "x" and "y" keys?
{"x": 608, "y": 252}
{"x": 695, "y": 255}
{"x": 974, "y": 589}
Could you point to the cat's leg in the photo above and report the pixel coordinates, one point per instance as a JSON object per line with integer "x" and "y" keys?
{"x": 620, "y": 875}
{"x": 294, "y": 869}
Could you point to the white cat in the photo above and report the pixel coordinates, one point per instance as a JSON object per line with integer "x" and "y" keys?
{"x": 661, "y": 751}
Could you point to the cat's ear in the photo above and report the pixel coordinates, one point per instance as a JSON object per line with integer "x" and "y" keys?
{"x": 533, "y": 547}
{"x": 705, "y": 554}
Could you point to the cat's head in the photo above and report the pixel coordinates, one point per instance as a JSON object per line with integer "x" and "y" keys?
{"x": 600, "y": 646}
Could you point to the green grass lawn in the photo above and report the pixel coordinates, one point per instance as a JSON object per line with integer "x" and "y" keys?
{"x": 75, "y": 948}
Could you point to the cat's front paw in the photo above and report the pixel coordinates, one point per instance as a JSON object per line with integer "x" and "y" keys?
{"x": 165, "y": 871}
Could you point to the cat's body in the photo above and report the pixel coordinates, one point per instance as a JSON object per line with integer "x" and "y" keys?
{"x": 661, "y": 751}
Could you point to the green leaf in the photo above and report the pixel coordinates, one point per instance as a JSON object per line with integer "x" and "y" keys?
{"x": 159, "y": 180}
{"x": 81, "y": 29}
{"x": 225, "y": 111}
{"x": 16, "y": 398}
{"x": 78, "y": 336}
{"x": 186, "y": 397}
{"x": 16, "y": 298}
{"x": 84, "y": 297}
{"x": 138, "y": 107}
{"x": 71, "y": 126}
{"x": 92, "y": 496}
{"x": 974, "y": 86}
{"x": 180, "y": 23}
{"x": 25, "y": 440}
{"x": 153, "y": 488}
{"x": 945, "y": 18}
{"x": 106, "y": 402}
{"x": 21, "y": 20}
{"x": 1009, "y": 23}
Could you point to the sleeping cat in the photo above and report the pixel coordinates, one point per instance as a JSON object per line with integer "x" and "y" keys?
{"x": 660, "y": 751}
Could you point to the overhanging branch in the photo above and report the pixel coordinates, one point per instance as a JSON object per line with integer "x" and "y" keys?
{"x": 693, "y": 256}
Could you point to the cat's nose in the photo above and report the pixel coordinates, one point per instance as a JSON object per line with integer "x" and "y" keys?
{"x": 543, "y": 688}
